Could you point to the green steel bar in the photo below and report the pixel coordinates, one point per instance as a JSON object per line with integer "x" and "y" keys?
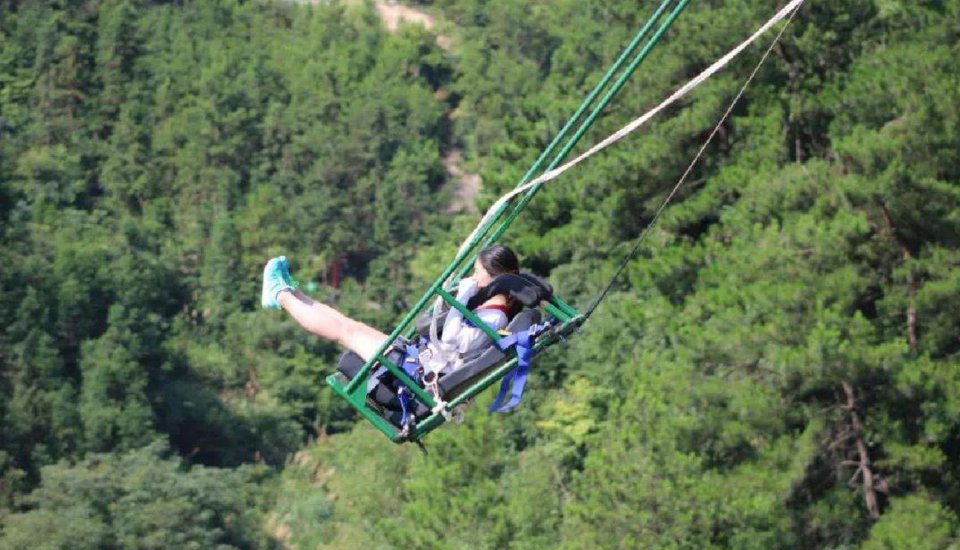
{"x": 378, "y": 422}
{"x": 411, "y": 330}
{"x": 592, "y": 117}
{"x": 558, "y": 302}
{"x": 362, "y": 376}
{"x": 399, "y": 374}
{"x": 402, "y": 377}
{"x": 533, "y": 169}
{"x": 469, "y": 249}
{"x": 450, "y": 299}
{"x": 425, "y": 426}
{"x": 557, "y": 312}
{"x": 626, "y": 53}
{"x": 365, "y": 370}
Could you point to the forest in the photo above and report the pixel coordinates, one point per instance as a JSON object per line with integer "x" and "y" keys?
{"x": 778, "y": 368}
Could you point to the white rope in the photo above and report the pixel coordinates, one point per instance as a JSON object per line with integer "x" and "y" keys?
{"x": 640, "y": 121}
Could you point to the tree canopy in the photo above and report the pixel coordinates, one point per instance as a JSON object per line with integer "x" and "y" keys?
{"x": 777, "y": 369}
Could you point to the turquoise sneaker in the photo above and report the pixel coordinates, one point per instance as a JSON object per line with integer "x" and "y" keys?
{"x": 274, "y": 282}
{"x": 285, "y": 273}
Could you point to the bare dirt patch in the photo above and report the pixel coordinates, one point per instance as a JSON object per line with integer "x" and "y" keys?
{"x": 393, "y": 14}
{"x": 468, "y": 185}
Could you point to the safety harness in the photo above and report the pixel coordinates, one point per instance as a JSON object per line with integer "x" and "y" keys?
{"x": 413, "y": 356}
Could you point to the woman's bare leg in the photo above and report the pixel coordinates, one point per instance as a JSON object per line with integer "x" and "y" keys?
{"x": 330, "y": 324}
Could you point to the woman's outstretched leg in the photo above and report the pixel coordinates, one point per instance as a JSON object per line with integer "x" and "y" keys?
{"x": 328, "y": 323}
{"x": 320, "y": 319}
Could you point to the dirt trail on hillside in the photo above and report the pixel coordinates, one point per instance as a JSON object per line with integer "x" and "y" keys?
{"x": 467, "y": 185}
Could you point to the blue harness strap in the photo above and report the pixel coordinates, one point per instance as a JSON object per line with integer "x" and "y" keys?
{"x": 410, "y": 366}
{"x": 522, "y": 342}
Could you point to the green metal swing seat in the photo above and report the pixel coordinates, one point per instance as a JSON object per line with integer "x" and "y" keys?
{"x": 373, "y": 391}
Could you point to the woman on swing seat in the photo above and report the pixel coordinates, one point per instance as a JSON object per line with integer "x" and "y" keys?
{"x": 457, "y": 334}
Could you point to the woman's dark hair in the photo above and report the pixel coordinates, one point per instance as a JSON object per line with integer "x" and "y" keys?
{"x": 498, "y": 259}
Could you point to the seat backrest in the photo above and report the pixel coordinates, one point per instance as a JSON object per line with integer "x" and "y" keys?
{"x": 524, "y": 288}
{"x": 455, "y": 382}
{"x": 524, "y": 320}
{"x": 423, "y": 322}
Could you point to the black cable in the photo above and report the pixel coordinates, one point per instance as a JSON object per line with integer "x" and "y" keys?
{"x": 683, "y": 178}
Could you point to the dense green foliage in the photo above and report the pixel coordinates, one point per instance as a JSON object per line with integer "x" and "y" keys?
{"x": 152, "y": 157}
{"x": 139, "y": 500}
{"x": 779, "y": 368}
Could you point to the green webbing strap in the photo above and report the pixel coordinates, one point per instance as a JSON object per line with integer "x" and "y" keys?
{"x": 584, "y": 105}
{"x": 593, "y": 94}
{"x": 595, "y": 112}
{"x": 617, "y": 86}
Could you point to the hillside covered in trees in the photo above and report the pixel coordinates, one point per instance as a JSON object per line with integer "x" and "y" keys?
{"x": 778, "y": 369}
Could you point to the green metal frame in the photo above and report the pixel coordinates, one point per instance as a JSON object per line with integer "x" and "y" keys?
{"x": 568, "y": 318}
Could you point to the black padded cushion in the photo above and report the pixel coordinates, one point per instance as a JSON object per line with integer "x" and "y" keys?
{"x": 454, "y": 383}
{"x": 529, "y": 290}
{"x": 384, "y": 393}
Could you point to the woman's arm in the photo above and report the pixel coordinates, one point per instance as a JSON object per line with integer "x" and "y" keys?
{"x": 460, "y": 334}
{"x": 454, "y": 322}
